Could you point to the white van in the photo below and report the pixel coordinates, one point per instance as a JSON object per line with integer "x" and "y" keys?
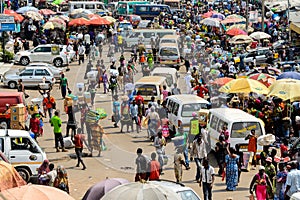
{"x": 169, "y": 55}
{"x": 169, "y": 73}
{"x": 239, "y": 125}
{"x": 181, "y": 108}
{"x": 150, "y": 86}
{"x": 22, "y": 151}
{"x": 174, "y": 39}
{"x": 145, "y": 35}
{"x": 93, "y": 6}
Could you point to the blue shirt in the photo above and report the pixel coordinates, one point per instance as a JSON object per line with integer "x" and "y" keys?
{"x": 134, "y": 110}
{"x": 116, "y": 107}
{"x": 293, "y": 180}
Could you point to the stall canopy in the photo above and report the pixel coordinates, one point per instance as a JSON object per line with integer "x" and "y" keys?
{"x": 295, "y": 26}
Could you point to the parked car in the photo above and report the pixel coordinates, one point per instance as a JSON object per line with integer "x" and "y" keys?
{"x": 55, "y": 71}
{"x": 257, "y": 54}
{"x": 56, "y": 54}
{"x": 31, "y": 77}
{"x": 182, "y": 191}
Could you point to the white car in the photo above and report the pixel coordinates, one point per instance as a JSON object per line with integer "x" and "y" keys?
{"x": 182, "y": 191}
{"x": 49, "y": 53}
{"x": 55, "y": 71}
{"x": 31, "y": 77}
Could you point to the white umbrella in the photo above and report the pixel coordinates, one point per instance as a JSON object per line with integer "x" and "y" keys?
{"x": 260, "y": 35}
{"x": 211, "y": 22}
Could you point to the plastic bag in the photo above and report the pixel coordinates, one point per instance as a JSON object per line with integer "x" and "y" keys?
{"x": 102, "y": 113}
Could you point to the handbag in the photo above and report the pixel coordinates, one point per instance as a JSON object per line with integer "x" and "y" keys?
{"x": 113, "y": 118}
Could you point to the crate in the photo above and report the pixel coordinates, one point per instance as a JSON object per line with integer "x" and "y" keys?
{"x": 19, "y": 109}
{"x": 16, "y": 125}
{"x": 17, "y": 118}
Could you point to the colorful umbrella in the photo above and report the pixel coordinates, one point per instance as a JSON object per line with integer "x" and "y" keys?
{"x": 34, "y": 15}
{"x": 244, "y": 85}
{"x": 232, "y": 20}
{"x": 110, "y": 19}
{"x": 7, "y": 11}
{"x": 208, "y": 14}
{"x": 99, "y": 21}
{"x": 286, "y": 89}
{"x": 52, "y": 25}
{"x": 16, "y": 16}
{"x": 235, "y": 16}
{"x": 265, "y": 79}
{"x": 57, "y": 20}
{"x": 241, "y": 26}
{"x": 47, "y": 12}
{"x": 9, "y": 177}
{"x": 236, "y": 31}
{"x": 79, "y": 22}
{"x": 35, "y": 192}
{"x": 289, "y": 75}
{"x": 260, "y": 35}
{"x": 222, "y": 81}
{"x": 98, "y": 190}
{"x": 240, "y": 39}
{"x": 218, "y": 16}
{"x": 210, "y": 22}
{"x": 26, "y": 9}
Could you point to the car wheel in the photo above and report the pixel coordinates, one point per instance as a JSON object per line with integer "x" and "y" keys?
{"x": 24, "y": 61}
{"x": 12, "y": 84}
{"x": 58, "y": 62}
{"x": 24, "y": 173}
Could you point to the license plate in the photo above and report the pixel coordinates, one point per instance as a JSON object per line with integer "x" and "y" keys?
{"x": 244, "y": 147}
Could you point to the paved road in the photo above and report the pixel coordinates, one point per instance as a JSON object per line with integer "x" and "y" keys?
{"x": 118, "y": 160}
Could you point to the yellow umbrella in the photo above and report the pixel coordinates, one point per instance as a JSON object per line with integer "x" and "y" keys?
{"x": 244, "y": 85}
{"x": 110, "y": 19}
{"x": 286, "y": 89}
{"x": 48, "y": 25}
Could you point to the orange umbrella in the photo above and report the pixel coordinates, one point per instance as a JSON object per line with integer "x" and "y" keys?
{"x": 222, "y": 81}
{"x": 7, "y": 11}
{"x": 208, "y": 14}
{"x": 35, "y": 192}
{"x": 9, "y": 177}
{"x": 16, "y": 16}
{"x": 79, "y": 21}
{"x": 47, "y": 12}
{"x": 236, "y": 31}
{"x": 99, "y": 21}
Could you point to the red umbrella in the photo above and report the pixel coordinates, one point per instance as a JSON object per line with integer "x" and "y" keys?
{"x": 16, "y": 16}
{"x": 79, "y": 21}
{"x": 236, "y": 31}
{"x": 47, "y": 12}
{"x": 265, "y": 79}
{"x": 99, "y": 21}
{"x": 208, "y": 14}
{"x": 222, "y": 81}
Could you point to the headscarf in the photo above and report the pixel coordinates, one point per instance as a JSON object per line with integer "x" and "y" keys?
{"x": 44, "y": 168}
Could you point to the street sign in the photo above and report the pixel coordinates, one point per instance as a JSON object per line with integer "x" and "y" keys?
{"x": 7, "y": 27}
{"x": 7, "y": 19}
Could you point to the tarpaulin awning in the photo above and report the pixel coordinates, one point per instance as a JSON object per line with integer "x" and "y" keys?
{"x": 295, "y": 26}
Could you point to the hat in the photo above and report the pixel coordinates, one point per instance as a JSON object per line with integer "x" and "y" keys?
{"x": 269, "y": 159}
{"x": 194, "y": 114}
{"x": 261, "y": 168}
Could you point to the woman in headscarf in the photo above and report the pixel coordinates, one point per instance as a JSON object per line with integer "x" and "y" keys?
{"x": 43, "y": 169}
{"x": 154, "y": 123}
{"x": 61, "y": 181}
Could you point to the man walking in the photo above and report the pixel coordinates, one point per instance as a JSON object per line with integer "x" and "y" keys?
{"x": 154, "y": 171}
{"x": 78, "y": 142}
{"x": 198, "y": 152}
{"x": 141, "y": 166}
{"x": 81, "y": 51}
{"x": 292, "y": 181}
{"x": 56, "y": 123}
{"x": 207, "y": 179}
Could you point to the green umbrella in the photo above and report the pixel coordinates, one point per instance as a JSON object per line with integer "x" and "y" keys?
{"x": 57, "y": 2}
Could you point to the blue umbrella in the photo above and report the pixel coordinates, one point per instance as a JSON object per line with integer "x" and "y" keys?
{"x": 24, "y": 9}
{"x": 291, "y": 75}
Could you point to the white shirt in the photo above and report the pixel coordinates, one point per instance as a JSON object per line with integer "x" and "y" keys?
{"x": 207, "y": 174}
{"x": 52, "y": 175}
{"x": 80, "y": 36}
{"x": 293, "y": 180}
{"x": 188, "y": 79}
{"x": 198, "y": 150}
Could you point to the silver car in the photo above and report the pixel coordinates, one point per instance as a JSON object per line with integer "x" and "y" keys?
{"x": 55, "y": 71}
{"x": 31, "y": 77}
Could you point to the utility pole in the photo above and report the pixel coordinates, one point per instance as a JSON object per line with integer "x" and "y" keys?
{"x": 263, "y": 15}
{"x": 247, "y": 15}
{"x": 288, "y": 18}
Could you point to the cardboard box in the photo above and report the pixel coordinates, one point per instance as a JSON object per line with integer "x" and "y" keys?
{"x": 17, "y": 118}
{"x": 16, "y": 125}
{"x": 19, "y": 109}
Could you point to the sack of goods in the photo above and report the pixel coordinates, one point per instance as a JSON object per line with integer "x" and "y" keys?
{"x": 92, "y": 75}
{"x": 92, "y": 116}
{"x": 102, "y": 113}
{"x": 178, "y": 141}
{"x": 266, "y": 140}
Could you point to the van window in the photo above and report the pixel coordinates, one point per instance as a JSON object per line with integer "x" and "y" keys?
{"x": 77, "y": 6}
{"x": 147, "y": 34}
{"x": 162, "y": 34}
{"x": 167, "y": 51}
{"x": 2, "y": 144}
{"x": 90, "y": 6}
{"x": 175, "y": 108}
{"x": 147, "y": 90}
{"x": 19, "y": 143}
{"x": 188, "y": 109}
{"x": 242, "y": 129}
{"x": 221, "y": 125}
{"x": 141, "y": 9}
{"x": 214, "y": 121}
{"x": 170, "y": 105}
{"x": 134, "y": 35}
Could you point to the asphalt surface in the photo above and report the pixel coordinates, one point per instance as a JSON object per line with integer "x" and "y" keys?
{"x": 119, "y": 158}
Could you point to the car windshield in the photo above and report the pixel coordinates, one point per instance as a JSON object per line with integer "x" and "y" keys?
{"x": 188, "y": 195}
{"x": 169, "y": 77}
{"x": 242, "y": 129}
{"x": 167, "y": 51}
{"x": 188, "y": 109}
{"x": 146, "y": 89}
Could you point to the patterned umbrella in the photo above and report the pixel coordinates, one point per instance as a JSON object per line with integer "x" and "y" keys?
{"x": 241, "y": 26}
{"x": 208, "y": 14}
{"x": 34, "y": 15}
{"x": 26, "y": 9}
{"x": 265, "y": 79}
{"x": 236, "y": 31}
{"x": 47, "y": 12}
{"x": 218, "y": 16}
{"x": 210, "y": 22}
{"x": 16, "y": 16}
{"x": 58, "y": 20}
{"x": 222, "y": 81}
{"x": 52, "y": 25}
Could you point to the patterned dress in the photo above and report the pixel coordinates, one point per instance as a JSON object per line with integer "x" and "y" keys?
{"x": 231, "y": 172}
